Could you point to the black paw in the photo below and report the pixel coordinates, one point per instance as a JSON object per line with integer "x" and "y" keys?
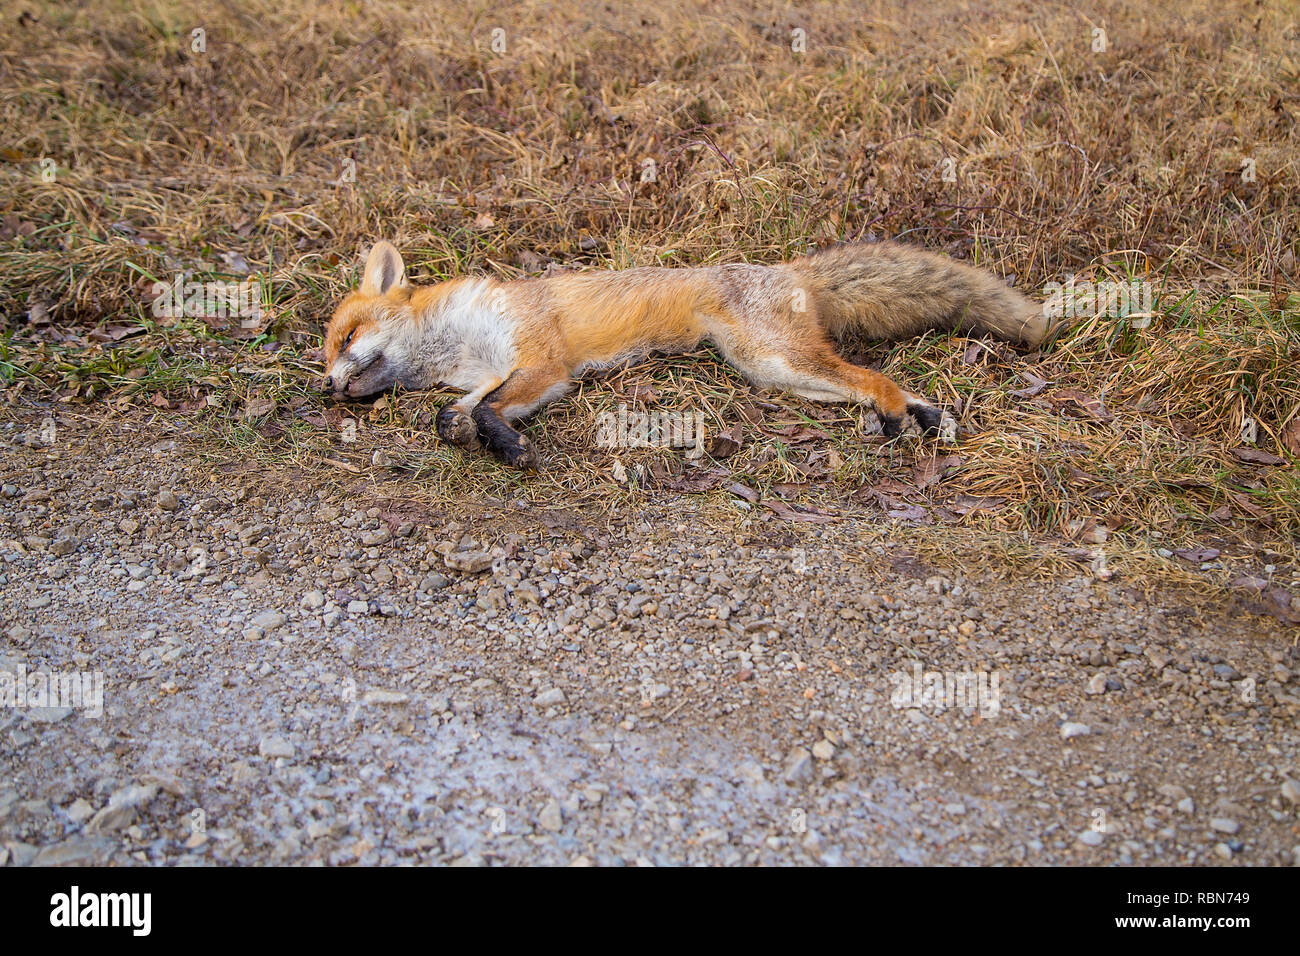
{"x": 891, "y": 426}
{"x": 518, "y": 453}
{"x": 927, "y": 417}
{"x": 504, "y": 442}
{"x": 455, "y": 426}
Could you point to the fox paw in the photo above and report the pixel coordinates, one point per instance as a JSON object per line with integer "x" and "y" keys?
{"x": 927, "y": 419}
{"x": 517, "y": 452}
{"x": 458, "y": 428}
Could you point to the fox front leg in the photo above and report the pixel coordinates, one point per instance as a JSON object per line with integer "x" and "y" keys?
{"x": 455, "y": 422}
{"x": 525, "y": 391}
{"x": 505, "y": 442}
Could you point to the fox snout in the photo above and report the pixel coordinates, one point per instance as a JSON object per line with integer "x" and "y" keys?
{"x": 346, "y": 379}
{"x": 336, "y": 382}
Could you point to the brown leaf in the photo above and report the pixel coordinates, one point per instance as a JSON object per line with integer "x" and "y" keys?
{"x": 1291, "y": 438}
{"x": 1245, "y": 504}
{"x": 1256, "y": 456}
{"x": 258, "y": 407}
{"x": 912, "y": 513}
{"x": 1036, "y": 385}
{"x": 691, "y": 479}
{"x": 744, "y": 491}
{"x": 1282, "y": 604}
{"x": 114, "y": 333}
{"x": 796, "y": 434}
{"x": 344, "y": 465}
{"x": 643, "y": 395}
{"x": 792, "y": 513}
{"x": 530, "y": 261}
{"x": 1197, "y": 555}
{"x": 1249, "y": 582}
{"x": 791, "y": 489}
{"x": 931, "y": 469}
{"x": 969, "y": 504}
{"x": 1080, "y": 404}
{"x": 726, "y": 443}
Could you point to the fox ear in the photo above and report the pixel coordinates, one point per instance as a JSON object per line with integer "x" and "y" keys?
{"x": 384, "y": 269}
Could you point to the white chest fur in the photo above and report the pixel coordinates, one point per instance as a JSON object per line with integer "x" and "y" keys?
{"x": 467, "y": 340}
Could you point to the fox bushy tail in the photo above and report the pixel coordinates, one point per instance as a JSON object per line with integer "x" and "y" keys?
{"x": 892, "y": 291}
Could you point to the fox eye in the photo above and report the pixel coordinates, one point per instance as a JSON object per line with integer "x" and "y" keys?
{"x": 348, "y": 340}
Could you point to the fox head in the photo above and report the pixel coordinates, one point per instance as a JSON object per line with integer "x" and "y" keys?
{"x": 370, "y": 342}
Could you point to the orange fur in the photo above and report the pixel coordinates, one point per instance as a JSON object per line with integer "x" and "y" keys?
{"x": 514, "y": 346}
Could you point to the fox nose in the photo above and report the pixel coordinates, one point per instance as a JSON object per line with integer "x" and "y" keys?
{"x": 327, "y": 384}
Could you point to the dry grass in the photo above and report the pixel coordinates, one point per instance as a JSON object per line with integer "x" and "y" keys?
{"x": 1119, "y": 164}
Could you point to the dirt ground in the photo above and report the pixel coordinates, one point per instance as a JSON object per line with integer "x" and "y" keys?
{"x": 305, "y": 675}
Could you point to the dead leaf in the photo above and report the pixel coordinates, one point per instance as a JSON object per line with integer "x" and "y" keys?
{"x": 1291, "y": 438}
{"x": 38, "y": 312}
{"x": 913, "y": 513}
{"x": 969, "y": 504}
{"x": 1245, "y": 504}
{"x": 1249, "y": 582}
{"x": 1256, "y": 456}
{"x": 744, "y": 491}
{"x": 1036, "y": 385}
{"x": 345, "y": 466}
{"x": 796, "y": 434}
{"x": 643, "y": 395}
{"x": 114, "y": 333}
{"x": 791, "y": 489}
{"x": 790, "y": 512}
{"x": 1197, "y": 555}
{"x": 725, "y": 443}
{"x": 258, "y": 407}
{"x": 931, "y": 469}
{"x": 1282, "y": 604}
{"x": 1079, "y": 404}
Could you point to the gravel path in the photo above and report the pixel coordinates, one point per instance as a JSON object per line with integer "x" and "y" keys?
{"x": 294, "y": 677}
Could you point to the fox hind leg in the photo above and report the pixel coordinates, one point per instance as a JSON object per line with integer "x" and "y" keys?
{"x": 816, "y": 372}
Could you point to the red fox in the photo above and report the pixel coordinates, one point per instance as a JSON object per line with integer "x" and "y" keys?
{"x": 512, "y": 347}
